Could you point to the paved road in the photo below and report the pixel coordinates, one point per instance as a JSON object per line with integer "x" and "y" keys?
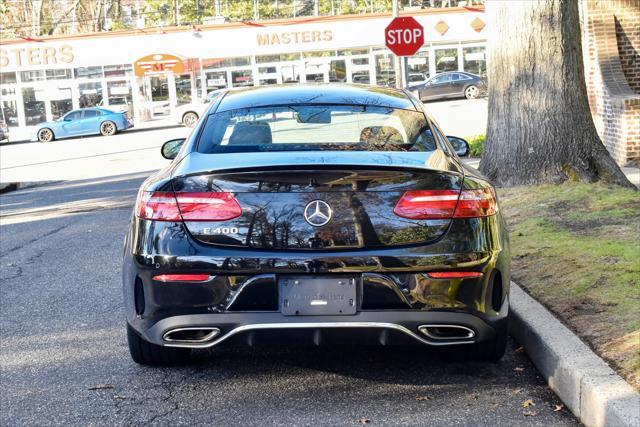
{"x": 62, "y": 334}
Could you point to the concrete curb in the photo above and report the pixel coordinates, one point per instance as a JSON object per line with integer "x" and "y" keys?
{"x": 595, "y": 394}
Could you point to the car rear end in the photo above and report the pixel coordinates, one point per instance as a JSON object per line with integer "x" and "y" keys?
{"x": 317, "y": 247}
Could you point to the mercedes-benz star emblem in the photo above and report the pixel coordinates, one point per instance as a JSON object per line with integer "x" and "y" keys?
{"x": 317, "y": 213}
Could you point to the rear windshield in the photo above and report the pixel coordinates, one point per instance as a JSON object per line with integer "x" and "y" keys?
{"x": 316, "y": 127}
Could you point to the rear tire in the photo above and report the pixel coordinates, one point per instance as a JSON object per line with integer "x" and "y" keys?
{"x": 189, "y": 119}
{"x": 45, "y": 135}
{"x": 145, "y": 353}
{"x": 108, "y": 128}
{"x": 494, "y": 349}
{"x": 471, "y": 92}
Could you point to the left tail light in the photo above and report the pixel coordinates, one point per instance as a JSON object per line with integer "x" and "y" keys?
{"x": 167, "y": 206}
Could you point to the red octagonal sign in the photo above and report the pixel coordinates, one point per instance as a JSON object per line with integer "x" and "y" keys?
{"x": 404, "y": 36}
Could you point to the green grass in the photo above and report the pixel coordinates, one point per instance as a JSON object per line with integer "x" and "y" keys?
{"x": 576, "y": 248}
{"x": 476, "y": 145}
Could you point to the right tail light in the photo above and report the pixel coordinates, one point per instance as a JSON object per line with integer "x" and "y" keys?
{"x": 445, "y": 204}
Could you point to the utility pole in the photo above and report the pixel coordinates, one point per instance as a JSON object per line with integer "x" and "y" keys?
{"x": 395, "y": 7}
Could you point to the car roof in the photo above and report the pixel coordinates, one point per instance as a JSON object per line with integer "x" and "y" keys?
{"x": 341, "y": 94}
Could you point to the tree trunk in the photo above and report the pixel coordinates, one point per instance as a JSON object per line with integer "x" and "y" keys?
{"x": 540, "y": 128}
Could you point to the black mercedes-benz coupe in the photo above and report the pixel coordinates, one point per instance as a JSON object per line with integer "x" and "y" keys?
{"x": 317, "y": 215}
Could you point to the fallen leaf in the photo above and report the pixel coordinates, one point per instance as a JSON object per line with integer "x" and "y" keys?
{"x": 519, "y": 350}
{"x": 101, "y": 387}
{"x": 474, "y": 397}
{"x": 420, "y": 398}
{"x": 363, "y": 421}
{"x": 529, "y": 413}
{"x": 557, "y": 408}
{"x": 519, "y": 369}
{"x": 119, "y": 397}
{"x": 494, "y": 405}
{"x": 517, "y": 391}
{"x": 528, "y": 403}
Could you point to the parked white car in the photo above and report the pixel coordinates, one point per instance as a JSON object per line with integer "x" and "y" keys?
{"x": 188, "y": 114}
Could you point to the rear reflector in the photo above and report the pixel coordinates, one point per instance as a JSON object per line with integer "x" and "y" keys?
{"x": 167, "y": 206}
{"x": 445, "y": 204}
{"x": 453, "y": 274}
{"x": 182, "y": 278}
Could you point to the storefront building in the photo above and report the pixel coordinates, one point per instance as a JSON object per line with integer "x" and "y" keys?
{"x": 151, "y": 71}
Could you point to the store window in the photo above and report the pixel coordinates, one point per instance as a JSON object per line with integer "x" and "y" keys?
{"x": 60, "y": 102}
{"x": 385, "y": 73}
{"x": 159, "y": 88}
{"x": 360, "y": 61}
{"x": 216, "y": 80}
{"x": 446, "y": 60}
{"x": 90, "y": 94}
{"x": 7, "y": 78}
{"x": 475, "y": 60}
{"x": 59, "y": 74}
{"x": 31, "y": 76}
{"x": 319, "y": 54}
{"x": 9, "y": 110}
{"x": 88, "y": 73}
{"x": 261, "y": 59}
{"x": 241, "y": 78}
{"x": 314, "y": 71}
{"x": 350, "y": 52}
{"x": 267, "y": 75}
{"x": 34, "y": 110}
{"x": 338, "y": 71}
{"x": 361, "y": 77}
{"x": 239, "y": 61}
{"x": 419, "y": 64}
{"x": 119, "y": 95}
{"x": 119, "y": 70}
{"x": 290, "y": 73}
{"x": 183, "y": 89}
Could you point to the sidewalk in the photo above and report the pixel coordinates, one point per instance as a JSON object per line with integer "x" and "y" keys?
{"x": 24, "y": 134}
{"x": 633, "y": 173}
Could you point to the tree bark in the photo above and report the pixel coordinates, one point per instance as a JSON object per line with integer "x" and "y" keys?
{"x": 540, "y": 128}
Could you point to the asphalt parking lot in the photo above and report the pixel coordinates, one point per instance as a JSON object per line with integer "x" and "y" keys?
{"x": 65, "y": 361}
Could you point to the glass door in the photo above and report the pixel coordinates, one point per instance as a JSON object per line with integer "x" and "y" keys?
{"x": 8, "y": 100}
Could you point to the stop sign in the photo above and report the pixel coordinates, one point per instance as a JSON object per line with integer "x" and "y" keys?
{"x": 404, "y": 36}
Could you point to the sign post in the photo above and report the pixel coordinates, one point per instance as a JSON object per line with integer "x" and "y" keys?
{"x": 404, "y": 36}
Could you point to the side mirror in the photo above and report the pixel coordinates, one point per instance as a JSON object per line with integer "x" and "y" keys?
{"x": 67, "y": 119}
{"x": 171, "y": 148}
{"x": 460, "y": 146}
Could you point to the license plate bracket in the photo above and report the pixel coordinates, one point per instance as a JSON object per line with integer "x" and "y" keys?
{"x": 317, "y": 295}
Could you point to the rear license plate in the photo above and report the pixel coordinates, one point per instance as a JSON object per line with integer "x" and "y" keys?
{"x": 317, "y": 295}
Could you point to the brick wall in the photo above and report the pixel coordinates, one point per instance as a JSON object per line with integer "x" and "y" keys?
{"x": 611, "y": 48}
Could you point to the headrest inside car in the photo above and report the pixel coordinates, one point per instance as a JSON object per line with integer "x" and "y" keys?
{"x": 381, "y": 135}
{"x": 251, "y": 133}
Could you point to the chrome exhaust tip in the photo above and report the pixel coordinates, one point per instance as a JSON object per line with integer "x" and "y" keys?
{"x": 447, "y": 332}
{"x": 195, "y": 335}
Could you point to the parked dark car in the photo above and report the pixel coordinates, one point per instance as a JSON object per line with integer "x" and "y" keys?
{"x": 320, "y": 215}
{"x": 85, "y": 121}
{"x": 454, "y": 84}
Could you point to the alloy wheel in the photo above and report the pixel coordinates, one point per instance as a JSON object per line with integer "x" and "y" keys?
{"x": 108, "y": 128}
{"x": 189, "y": 120}
{"x": 471, "y": 92}
{"x": 45, "y": 135}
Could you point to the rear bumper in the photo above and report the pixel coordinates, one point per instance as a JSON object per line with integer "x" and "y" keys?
{"x": 395, "y": 298}
{"x": 365, "y": 327}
